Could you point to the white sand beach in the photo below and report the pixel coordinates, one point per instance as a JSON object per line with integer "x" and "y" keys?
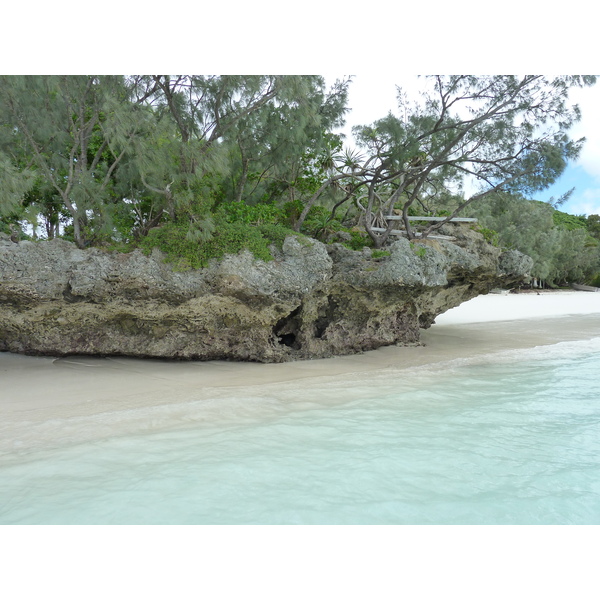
{"x": 50, "y": 402}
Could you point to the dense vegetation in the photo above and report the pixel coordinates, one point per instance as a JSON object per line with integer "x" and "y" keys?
{"x": 565, "y": 248}
{"x": 203, "y": 165}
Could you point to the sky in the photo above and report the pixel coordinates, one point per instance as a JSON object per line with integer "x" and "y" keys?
{"x": 373, "y": 95}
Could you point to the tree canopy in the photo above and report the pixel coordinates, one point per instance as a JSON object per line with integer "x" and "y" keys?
{"x": 564, "y": 247}
{"x": 479, "y": 134}
{"x": 109, "y": 159}
{"x": 167, "y": 147}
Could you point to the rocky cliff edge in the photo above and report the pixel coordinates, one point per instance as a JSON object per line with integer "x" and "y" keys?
{"x": 313, "y": 300}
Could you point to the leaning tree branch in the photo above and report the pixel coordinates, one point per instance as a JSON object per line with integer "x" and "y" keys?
{"x": 317, "y": 194}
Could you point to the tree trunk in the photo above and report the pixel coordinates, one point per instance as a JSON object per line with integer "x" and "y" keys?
{"x": 242, "y": 182}
{"x": 316, "y": 196}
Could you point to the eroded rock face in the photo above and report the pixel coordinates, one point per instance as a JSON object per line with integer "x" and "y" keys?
{"x": 311, "y": 301}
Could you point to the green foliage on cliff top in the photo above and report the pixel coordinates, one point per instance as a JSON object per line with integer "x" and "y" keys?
{"x": 227, "y": 238}
{"x": 380, "y": 253}
{"x": 490, "y": 236}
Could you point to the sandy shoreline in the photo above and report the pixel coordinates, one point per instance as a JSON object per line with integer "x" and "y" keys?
{"x": 51, "y": 402}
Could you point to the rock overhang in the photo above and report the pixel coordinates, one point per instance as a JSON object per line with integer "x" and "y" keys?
{"x": 311, "y": 301}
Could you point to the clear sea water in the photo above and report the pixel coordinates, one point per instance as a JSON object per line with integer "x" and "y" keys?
{"x": 510, "y": 438}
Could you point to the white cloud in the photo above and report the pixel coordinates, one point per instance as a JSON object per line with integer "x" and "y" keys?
{"x": 588, "y": 100}
{"x": 373, "y": 95}
{"x": 588, "y": 203}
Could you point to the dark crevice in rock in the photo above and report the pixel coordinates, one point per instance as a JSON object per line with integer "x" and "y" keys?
{"x": 288, "y": 339}
{"x": 70, "y": 297}
{"x": 286, "y": 330}
{"x": 325, "y": 318}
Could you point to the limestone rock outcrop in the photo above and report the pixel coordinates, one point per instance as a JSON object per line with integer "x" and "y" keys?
{"x": 311, "y": 301}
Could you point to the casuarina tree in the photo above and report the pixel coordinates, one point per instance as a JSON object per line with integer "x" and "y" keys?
{"x": 480, "y": 134}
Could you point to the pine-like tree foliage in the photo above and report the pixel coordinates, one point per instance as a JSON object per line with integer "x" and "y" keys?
{"x": 14, "y": 185}
{"x": 561, "y": 254}
{"x": 104, "y": 159}
{"x": 497, "y": 132}
{"x": 74, "y": 131}
{"x": 133, "y": 151}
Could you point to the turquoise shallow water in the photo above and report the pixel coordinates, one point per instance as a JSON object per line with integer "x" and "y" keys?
{"x": 512, "y": 438}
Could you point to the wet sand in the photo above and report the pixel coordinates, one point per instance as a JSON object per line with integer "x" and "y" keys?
{"x": 50, "y": 402}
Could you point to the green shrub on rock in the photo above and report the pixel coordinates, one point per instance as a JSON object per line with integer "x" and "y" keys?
{"x": 226, "y": 238}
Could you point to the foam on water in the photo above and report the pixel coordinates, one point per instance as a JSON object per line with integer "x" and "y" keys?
{"x": 512, "y": 437}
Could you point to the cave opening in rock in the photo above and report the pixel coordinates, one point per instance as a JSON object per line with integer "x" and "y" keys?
{"x": 286, "y": 330}
{"x": 287, "y": 339}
